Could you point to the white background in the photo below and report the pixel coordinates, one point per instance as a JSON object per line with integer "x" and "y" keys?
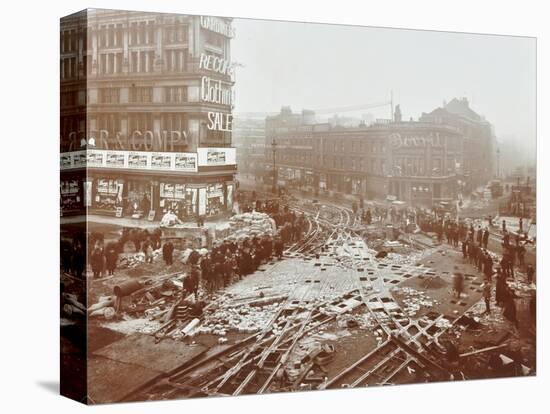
{"x": 29, "y": 190}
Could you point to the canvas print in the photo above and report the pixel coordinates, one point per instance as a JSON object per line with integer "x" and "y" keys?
{"x": 253, "y": 206}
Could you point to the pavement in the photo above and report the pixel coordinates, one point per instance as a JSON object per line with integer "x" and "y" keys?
{"x": 117, "y": 369}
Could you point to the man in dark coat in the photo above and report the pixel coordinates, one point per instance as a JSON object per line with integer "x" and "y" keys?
{"x": 207, "y": 272}
{"x": 458, "y": 284}
{"x": 111, "y": 258}
{"x": 464, "y": 249}
{"x": 193, "y": 258}
{"x": 97, "y": 261}
{"x": 218, "y": 274}
{"x": 279, "y": 248}
{"x": 485, "y": 240}
{"x": 501, "y": 287}
{"x": 78, "y": 261}
{"x": 488, "y": 266}
{"x": 510, "y": 311}
{"x": 167, "y": 253}
{"x": 191, "y": 283}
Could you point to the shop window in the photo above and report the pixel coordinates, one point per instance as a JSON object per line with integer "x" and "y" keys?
{"x": 179, "y": 198}
{"x": 214, "y": 199}
{"x": 138, "y": 200}
{"x": 108, "y": 194}
{"x": 70, "y": 195}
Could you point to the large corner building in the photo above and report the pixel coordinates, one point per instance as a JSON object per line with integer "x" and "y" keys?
{"x": 445, "y": 153}
{"x": 146, "y": 110}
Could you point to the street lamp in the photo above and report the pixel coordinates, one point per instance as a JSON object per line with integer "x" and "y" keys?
{"x": 273, "y": 149}
{"x": 498, "y": 162}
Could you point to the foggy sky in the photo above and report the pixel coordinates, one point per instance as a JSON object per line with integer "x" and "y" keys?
{"x": 318, "y": 66}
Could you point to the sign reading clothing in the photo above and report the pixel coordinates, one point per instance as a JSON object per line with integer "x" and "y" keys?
{"x": 216, "y": 156}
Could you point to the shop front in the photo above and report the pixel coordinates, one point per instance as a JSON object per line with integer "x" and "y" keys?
{"x": 423, "y": 191}
{"x": 215, "y": 200}
{"x": 178, "y": 197}
{"x": 153, "y": 196}
{"x": 147, "y": 185}
{"x": 71, "y": 195}
{"x": 107, "y": 195}
{"x": 138, "y": 198}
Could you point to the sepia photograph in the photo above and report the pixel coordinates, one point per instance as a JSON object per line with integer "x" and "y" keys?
{"x": 260, "y": 206}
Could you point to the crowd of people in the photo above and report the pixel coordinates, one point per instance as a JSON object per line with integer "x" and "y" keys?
{"x": 497, "y": 271}
{"x": 227, "y": 261}
{"x": 232, "y": 260}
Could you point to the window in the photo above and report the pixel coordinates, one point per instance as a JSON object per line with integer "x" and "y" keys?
{"x": 141, "y": 94}
{"x": 176, "y": 94}
{"x": 134, "y": 62}
{"x": 103, "y": 36}
{"x": 173, "y": 122}
{"x": 150, "y": 32}
{"x": 111, "y": 35}
{"x": 118, "y": 35}
{"x": 133, "y": 34}
{"x": 109, "y": 95}
{"x": 109, "y": 123}
{"x": 103, "y": 63}
{"x": 140, "y": 122}
{"x": 118, "y": 63}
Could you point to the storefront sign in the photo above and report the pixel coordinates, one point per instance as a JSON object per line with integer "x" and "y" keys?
{"x": 218, "y": 121}
{"x": 137, "y": 160}
{"x": 69, "y": 187}
{"x": 215, "y": 64}
{"x": 398, "y": 140}
{"x": 216, "y": 156}
{"x": 65, "y": 161}
{"x": 185, "y": 162}
{"x": 214, "y": 190}
{"x": 160, "y": 161}
{"x": 79, "y": 159}
{"x": 217, "y": 25}
{"x": 216, "y": 91}
{"x": 133, "y": 160}
{"x": 95, "y": 159}
{"x": 115, "y": 159}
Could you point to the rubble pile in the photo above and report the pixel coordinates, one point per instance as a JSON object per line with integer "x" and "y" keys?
{"x": 360, "y": 321}
{"x": 130, "y": 261}
{"x": 251, "y": 224}
{"x": 413, "y": 300}
{"x": 244, "y": 319}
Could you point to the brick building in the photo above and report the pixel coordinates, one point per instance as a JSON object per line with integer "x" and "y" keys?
{"x": 421, "y": 162}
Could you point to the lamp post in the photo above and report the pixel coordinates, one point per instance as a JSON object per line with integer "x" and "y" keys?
{"x": 498, "y": 162}
{"x": 273, "y": 149}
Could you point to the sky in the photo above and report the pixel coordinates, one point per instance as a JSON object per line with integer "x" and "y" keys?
{"x": 321, "y": 66}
